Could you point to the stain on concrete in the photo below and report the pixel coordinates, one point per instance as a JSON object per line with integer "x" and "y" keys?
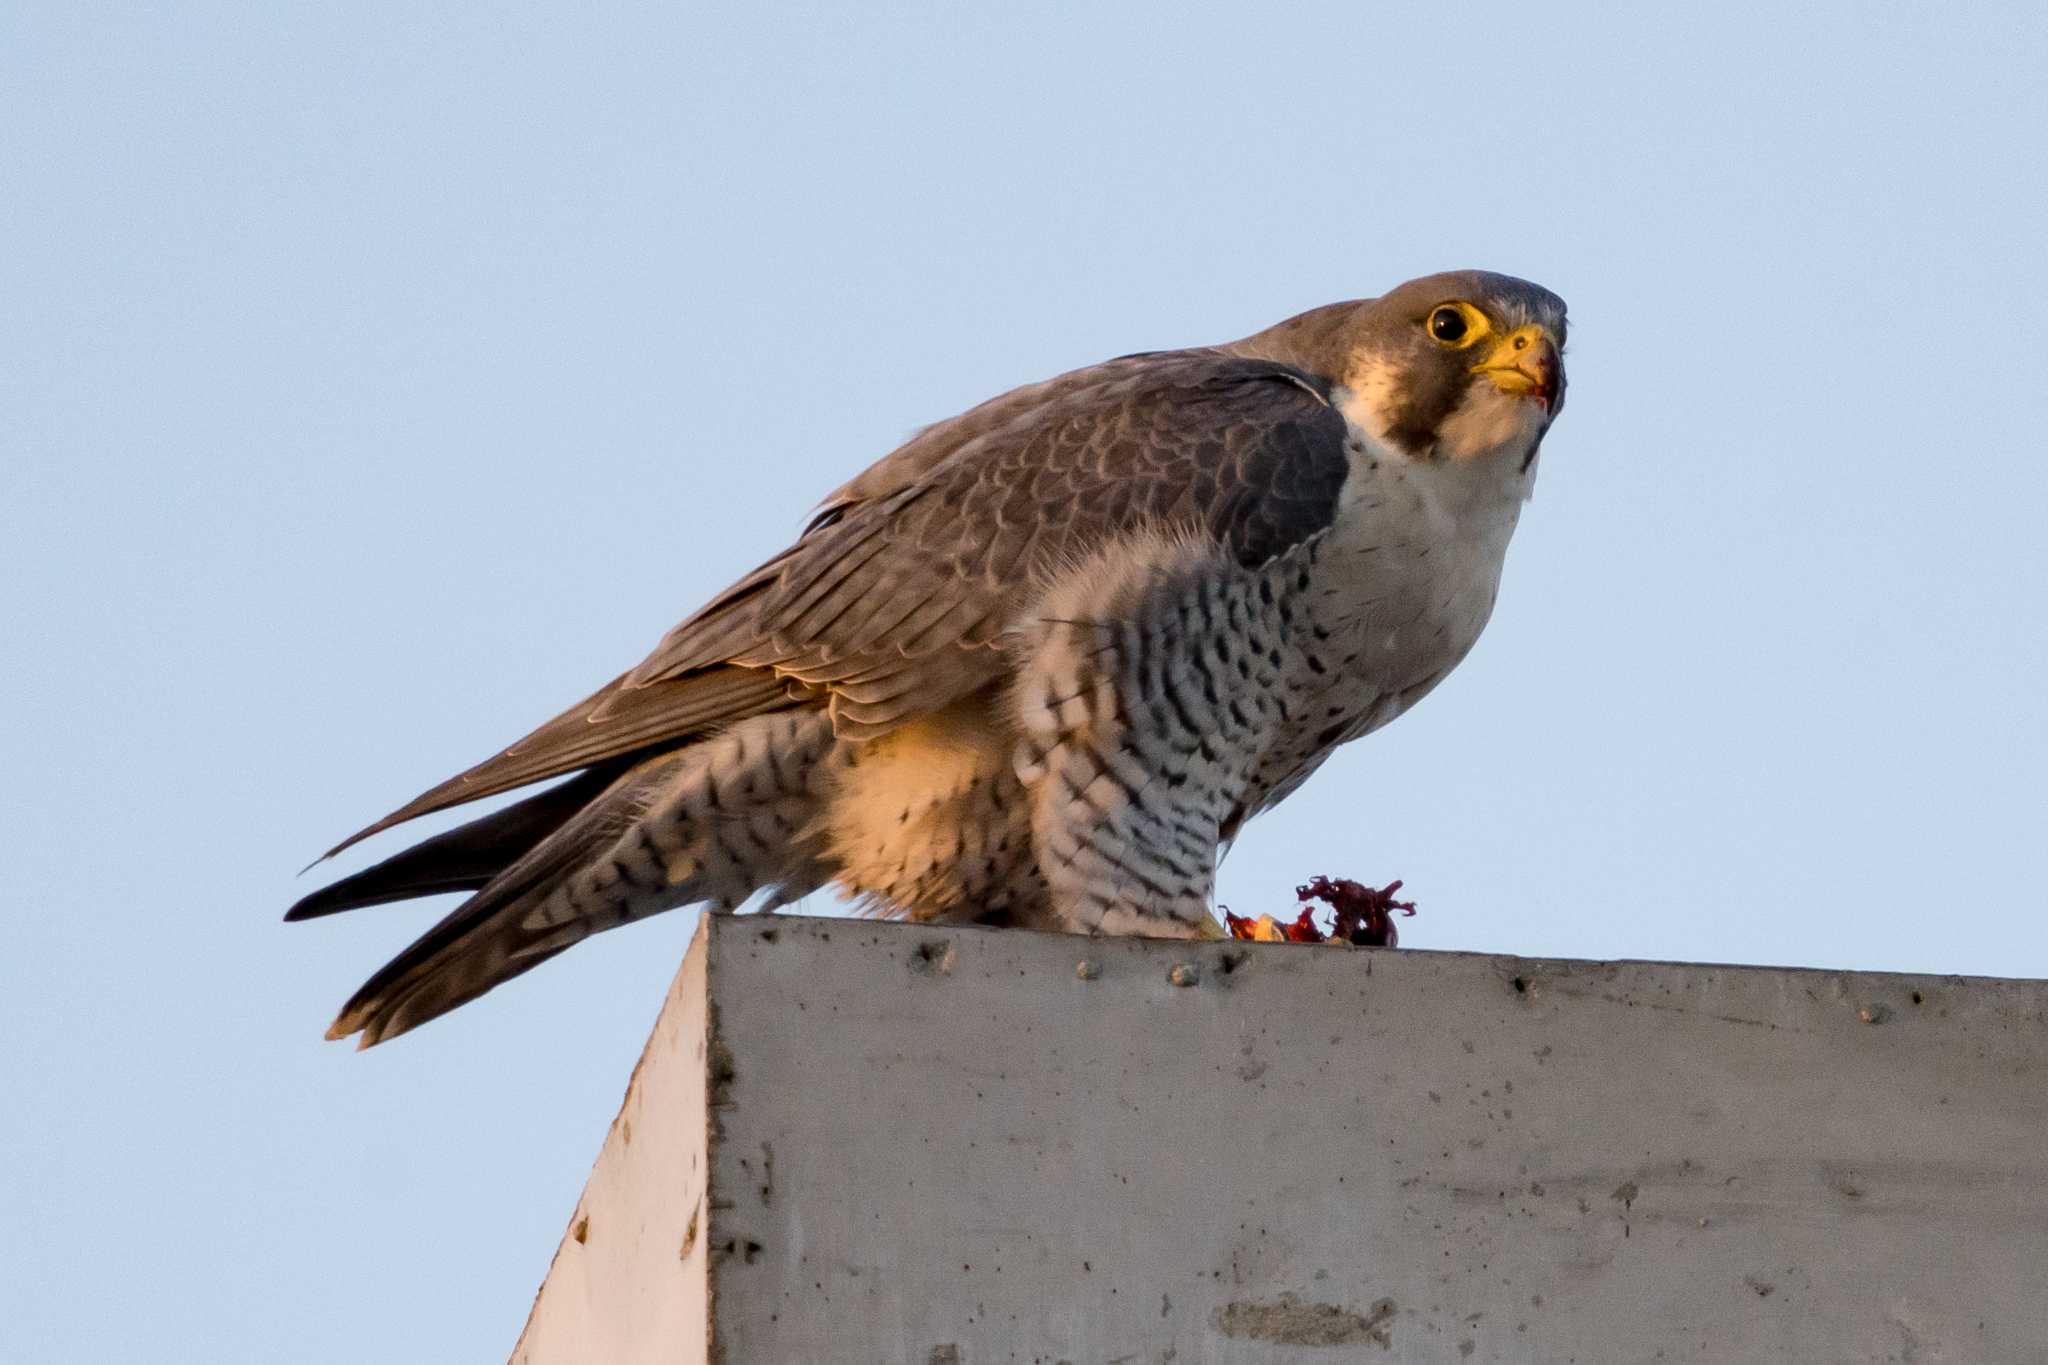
{"x": 721, "y": 1074}
{"x": 1910, "y": 1342}
{"x": 1289, "y": 1321}
{"x": 1842, "y": 1180}
{"x": 934, "y": 957}
{"x": 764, "y": 1176}
{"x": 949, "y": 1354}
{"x": 581, "y": 1232}
{"x": 745, "y": 1249}
{"x": 689, "y": 1237}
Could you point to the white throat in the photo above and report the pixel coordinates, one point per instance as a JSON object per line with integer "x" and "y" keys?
{"x": 1484, "y": 452}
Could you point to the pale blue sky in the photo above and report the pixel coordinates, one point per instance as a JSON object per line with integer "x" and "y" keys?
{"x": 376, "y": 379}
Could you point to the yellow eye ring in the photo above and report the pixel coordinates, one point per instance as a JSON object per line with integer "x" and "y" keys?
{"x": 1456, "y": 325}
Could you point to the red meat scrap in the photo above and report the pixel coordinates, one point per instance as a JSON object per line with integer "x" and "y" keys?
{"x": 1360, "y": 915}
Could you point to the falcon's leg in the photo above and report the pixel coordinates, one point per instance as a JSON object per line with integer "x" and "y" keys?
{"x": 1121, "y": 854}
{"x": 1143, "y": 712}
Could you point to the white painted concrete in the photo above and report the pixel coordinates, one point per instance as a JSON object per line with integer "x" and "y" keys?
{"x": 950, "y": 1145}
{"x": 631, "y": 1280}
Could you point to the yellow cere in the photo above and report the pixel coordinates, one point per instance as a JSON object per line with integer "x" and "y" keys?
{"x": 1502, "y": 361}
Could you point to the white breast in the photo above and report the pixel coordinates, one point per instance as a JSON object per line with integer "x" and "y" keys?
{"x": 1411, "y": 567}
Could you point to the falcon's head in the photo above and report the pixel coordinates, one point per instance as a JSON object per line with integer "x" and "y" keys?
{"x": 1451, "y": 367}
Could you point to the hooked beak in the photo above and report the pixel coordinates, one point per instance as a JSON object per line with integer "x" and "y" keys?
{"x": 1525, "y": 364}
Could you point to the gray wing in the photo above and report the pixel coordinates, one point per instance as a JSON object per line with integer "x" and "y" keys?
{"x": 895, "y": 601}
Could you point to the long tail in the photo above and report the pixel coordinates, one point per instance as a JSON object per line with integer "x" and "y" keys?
{"x": 713, "y": 821}
{"x": 465, "y": 858}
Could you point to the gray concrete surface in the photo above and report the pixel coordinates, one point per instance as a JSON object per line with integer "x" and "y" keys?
{"x": 887, "y": 1143}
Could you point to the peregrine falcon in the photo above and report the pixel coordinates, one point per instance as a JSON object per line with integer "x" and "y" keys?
{"x": 1035, "y": 666}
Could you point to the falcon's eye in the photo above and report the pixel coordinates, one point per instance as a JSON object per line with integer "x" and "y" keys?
{"x": 1448, "y": 325}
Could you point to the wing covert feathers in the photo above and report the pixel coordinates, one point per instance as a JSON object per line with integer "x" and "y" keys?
{"x": 890, "y": 604}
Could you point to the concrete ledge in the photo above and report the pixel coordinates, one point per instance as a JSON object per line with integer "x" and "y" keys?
{"x": 851, "y": 1141}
